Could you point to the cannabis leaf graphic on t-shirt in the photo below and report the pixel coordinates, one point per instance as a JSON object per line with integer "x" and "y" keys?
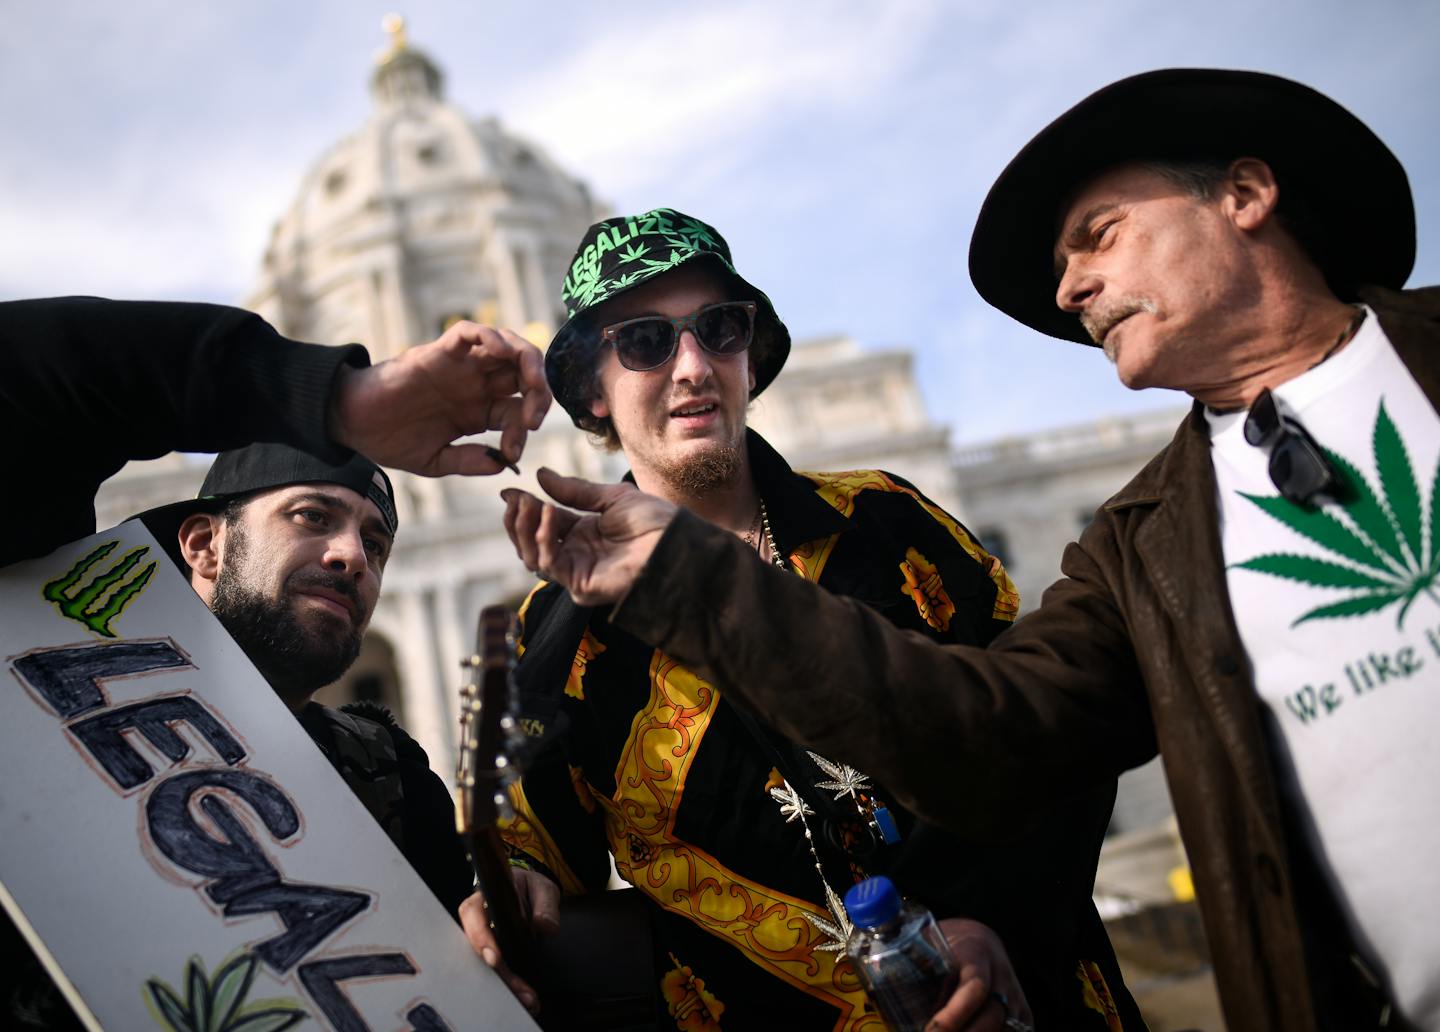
{"x": 1386, "y": 541}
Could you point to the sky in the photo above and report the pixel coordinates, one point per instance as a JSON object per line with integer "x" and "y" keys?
{"x": 843, "y": 148}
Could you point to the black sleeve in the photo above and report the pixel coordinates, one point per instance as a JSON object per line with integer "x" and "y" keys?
{"x": 87, "y": 384}
{"x": 431, "y": 843}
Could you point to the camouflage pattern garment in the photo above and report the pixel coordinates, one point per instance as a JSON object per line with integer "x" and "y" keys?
{"x": 389, "y": 772}
{"x": 653, "y": 767}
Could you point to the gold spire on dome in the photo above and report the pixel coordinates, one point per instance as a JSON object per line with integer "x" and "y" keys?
{"x": 394, "y": 26}
{"x": 403, "y": 74}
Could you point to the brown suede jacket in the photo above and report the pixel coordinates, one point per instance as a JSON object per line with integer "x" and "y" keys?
{"x": 1134, "y": 649}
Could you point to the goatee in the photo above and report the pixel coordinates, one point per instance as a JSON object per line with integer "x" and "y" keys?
{"x": 700, "y": 474}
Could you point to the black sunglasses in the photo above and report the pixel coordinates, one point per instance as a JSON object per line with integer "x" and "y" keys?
{"x": 650, "y": 341}
{"x": 1298, "y": 466}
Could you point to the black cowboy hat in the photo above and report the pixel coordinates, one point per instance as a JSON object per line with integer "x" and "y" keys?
{"x": 1325, "y": 159}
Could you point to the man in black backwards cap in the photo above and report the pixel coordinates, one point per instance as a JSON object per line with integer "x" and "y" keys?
{"x": 743, "y": 839}
{"x": 88, "y": 383}
{"x": 1259, "y": 602}
{"x": 288, "y": 551}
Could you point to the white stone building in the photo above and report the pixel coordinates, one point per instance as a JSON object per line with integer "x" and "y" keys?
{"x": 423, "y": 216}
{"x": 1029, "y": 496}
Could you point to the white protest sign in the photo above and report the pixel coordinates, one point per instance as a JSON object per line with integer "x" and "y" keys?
{"x": 176, "y": 848}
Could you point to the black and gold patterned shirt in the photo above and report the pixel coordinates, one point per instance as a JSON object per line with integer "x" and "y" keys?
{"x": 650, "y": 765}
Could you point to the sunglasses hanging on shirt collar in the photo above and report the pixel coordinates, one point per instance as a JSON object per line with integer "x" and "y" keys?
{"x": 1299, "y": 468}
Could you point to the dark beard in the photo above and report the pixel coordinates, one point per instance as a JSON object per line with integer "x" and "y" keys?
{"x": 297, "y": 661}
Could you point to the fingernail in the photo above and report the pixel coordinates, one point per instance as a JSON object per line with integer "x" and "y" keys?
{"x": 489, "y": 956}
{"x": 528, "y": 999}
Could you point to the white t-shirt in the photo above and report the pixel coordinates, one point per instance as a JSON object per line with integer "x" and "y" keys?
{"x": 1339, "y": 610}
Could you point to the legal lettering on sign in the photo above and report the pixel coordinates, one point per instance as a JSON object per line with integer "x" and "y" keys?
{"x": 215, "y": 822}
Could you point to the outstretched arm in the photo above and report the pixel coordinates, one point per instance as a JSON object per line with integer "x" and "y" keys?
{"x": 87, "y": 384}
{"x": 965, "y": 736}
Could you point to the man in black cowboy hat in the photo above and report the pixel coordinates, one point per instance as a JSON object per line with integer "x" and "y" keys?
{"x": 743, "y": 839}
{"x": 1259, "y": 602}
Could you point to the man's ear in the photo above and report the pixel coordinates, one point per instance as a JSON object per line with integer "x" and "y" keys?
{"x": 200, "y": 537}
{"x": 1251, "y": 193}
{"x": 750, "y": 369}
{"x": 598, "y": 408}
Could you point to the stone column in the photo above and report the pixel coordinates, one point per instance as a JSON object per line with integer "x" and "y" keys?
{"x": 455, "y": 630}
{"x": 537, "y": 291}
{"x": 501, "y": 259}
{"x": 425, "y": 711}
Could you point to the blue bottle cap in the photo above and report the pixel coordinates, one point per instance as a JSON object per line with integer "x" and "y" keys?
{"x": 873, "y": 902}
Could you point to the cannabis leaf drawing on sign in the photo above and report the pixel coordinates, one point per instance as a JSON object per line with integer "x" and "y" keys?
{"x": 218, "y": 1004}
{"x": 1387, "y": 540}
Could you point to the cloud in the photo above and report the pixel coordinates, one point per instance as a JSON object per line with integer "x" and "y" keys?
{"x": 649, "y": 99}
{"x": 844, "y": 148}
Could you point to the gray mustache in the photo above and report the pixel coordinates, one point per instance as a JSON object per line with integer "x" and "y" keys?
{"x": 1098, "y": 322}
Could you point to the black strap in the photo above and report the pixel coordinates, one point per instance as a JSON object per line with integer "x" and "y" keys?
{"x": 542, "y": 671}
{"x": 822, "y": 805}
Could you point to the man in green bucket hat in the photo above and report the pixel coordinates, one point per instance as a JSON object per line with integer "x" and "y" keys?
{"x": 741, "y": 841}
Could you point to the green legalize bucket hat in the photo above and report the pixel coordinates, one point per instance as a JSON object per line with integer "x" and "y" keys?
{"x": 618, "y": 255}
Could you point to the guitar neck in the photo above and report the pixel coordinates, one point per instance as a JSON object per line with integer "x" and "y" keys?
{"x": 507, "y": 921}
{"x": 486, "y": 767}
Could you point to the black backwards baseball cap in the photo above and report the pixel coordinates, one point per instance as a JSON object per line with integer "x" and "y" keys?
{"x": 1361, "y": 225}
{"x": 619, "y": 254}
{"x": 261, "y": 467}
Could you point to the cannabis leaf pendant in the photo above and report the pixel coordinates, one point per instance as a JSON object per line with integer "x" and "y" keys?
{"x": 1387, "y": 544}
{"x": 845, "y": 780}
{"x": 792, "y": 807}
{"x": 838, "y": 932}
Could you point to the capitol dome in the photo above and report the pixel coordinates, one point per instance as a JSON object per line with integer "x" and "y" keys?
{"x": 423, "y": 216}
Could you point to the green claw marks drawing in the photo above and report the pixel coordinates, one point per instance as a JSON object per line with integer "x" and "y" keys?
{"x": 218, "y": 1004}
{"x": 97, "y": 604}
{"x": 1387, "y": 540}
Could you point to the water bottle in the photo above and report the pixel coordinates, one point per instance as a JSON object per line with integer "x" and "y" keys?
{"x": 897, "y": 950}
